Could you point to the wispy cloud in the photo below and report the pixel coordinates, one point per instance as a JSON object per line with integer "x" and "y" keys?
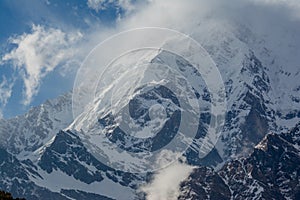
{"x": 97, "y": 5}
{"x": 166, "y": 183}
{"x": 6, "y": 87}
{"x": 179, "y": 14}
{"x": 38, "y": 53}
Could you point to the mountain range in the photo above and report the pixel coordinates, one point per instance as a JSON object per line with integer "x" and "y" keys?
{"x": 43, "y": 155}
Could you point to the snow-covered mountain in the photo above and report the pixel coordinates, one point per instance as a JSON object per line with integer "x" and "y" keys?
{"x": 43, "y": 155}
{"x": 25, "y": 134}
{"x": 41, "y": 162}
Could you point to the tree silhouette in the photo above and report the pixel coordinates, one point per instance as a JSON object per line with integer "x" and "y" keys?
{"x": 7, "y": 196}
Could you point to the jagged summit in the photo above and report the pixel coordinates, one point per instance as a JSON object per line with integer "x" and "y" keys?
{"x": 270, "y": 172}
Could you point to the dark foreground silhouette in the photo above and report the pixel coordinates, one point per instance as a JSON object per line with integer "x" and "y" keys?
{"x": 7, "y": 196}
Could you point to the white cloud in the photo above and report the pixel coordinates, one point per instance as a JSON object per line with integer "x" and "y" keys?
{"x": 166, "y": 183}
{"x": 126, "y": 5}
{"x": 164, "y": 14}
{"x": 6, "y": 87}
{"x": 5, "y": 90}
{"x": 95, "y": 4}
{"x": 292, "y": 5}
{"x": 38, "y": 53}
{"x": 179, "y": 14}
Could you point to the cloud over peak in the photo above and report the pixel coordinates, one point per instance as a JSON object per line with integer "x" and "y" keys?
{"x": 166, "y": 183}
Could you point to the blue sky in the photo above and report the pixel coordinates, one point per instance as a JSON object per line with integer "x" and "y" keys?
{"x": 39, "y": 47}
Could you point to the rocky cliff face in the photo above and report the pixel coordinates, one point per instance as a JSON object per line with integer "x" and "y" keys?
{"x": 24, "y": 134}
{"x": 270, "y": 172}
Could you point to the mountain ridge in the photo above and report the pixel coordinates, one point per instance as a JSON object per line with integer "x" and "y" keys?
{"x": 39, "y": 152}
